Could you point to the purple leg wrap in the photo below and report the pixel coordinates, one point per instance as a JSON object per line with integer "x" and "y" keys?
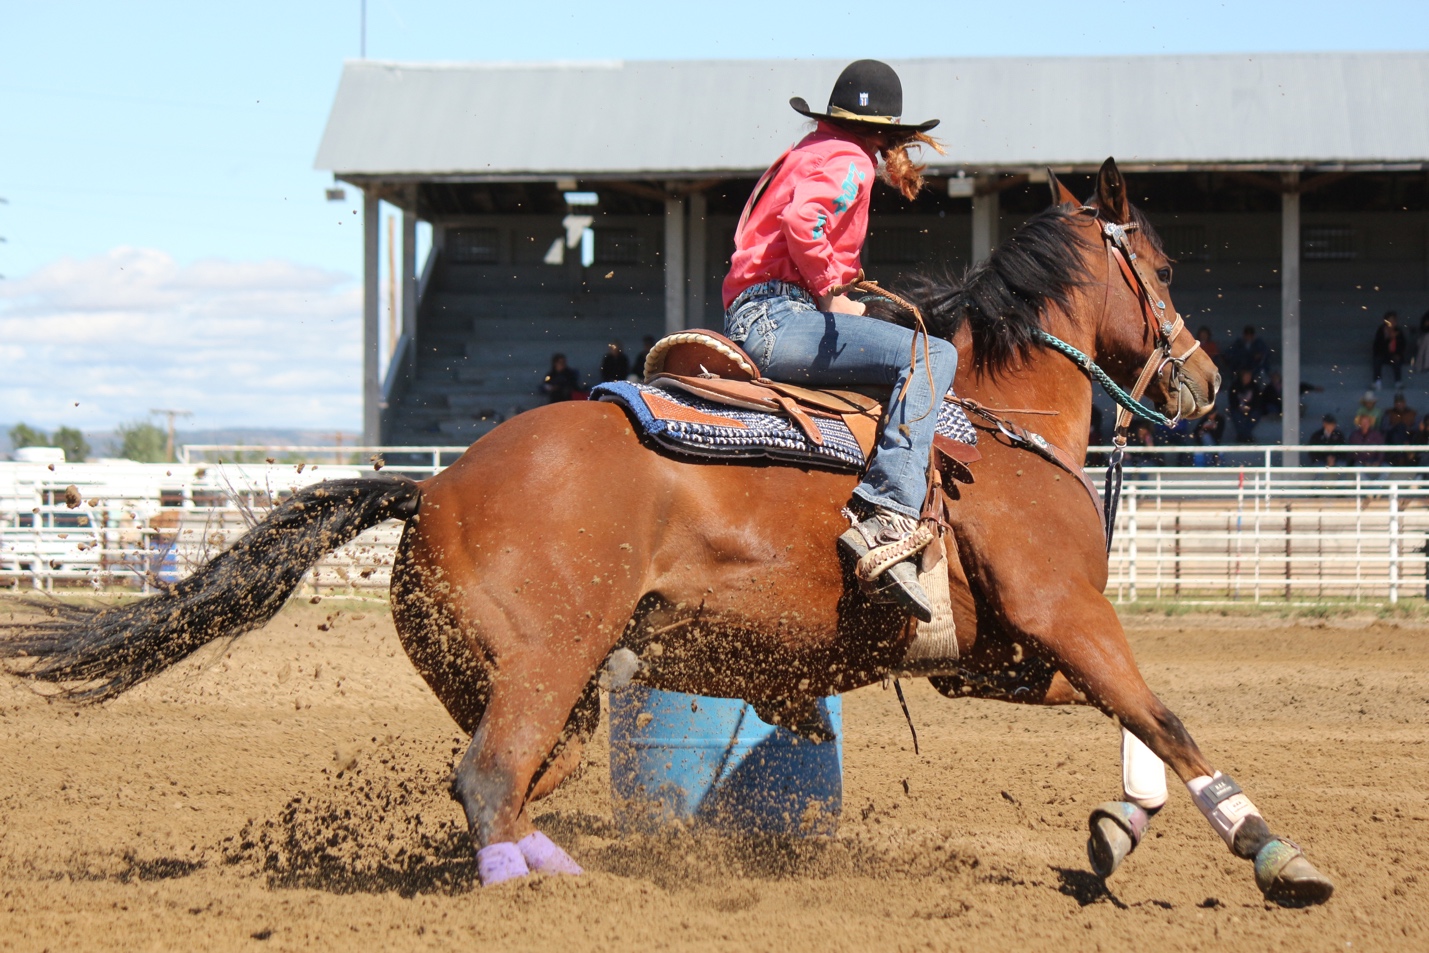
{"x": 1129, "y": 817}
{"x": 498, "y": 862}
{"x": 544, "y": 857}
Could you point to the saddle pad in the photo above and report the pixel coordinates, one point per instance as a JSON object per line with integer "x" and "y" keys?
{"x": 694, "y": 426}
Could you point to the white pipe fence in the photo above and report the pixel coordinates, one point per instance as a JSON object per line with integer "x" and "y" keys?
{"x": 1250, "y": 532}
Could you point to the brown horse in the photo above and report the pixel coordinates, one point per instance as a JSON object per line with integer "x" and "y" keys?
{"x": 560, "y": 537}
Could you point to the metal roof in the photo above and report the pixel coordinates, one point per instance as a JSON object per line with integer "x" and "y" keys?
{"x": 685, "y": 119}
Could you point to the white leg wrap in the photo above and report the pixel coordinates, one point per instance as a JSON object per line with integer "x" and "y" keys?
{"x": 1222, "y": 802}
{"x": 1143, "y": 775}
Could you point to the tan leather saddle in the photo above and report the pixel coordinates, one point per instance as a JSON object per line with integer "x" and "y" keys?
{"x": 709, "y": 365}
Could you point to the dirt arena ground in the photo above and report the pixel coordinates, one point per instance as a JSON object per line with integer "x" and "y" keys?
{"x": 287, "y": 792}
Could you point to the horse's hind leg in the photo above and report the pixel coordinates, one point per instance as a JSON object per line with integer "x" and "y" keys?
{"x": 564, "y": 760}
{"x": 1104, "y": 669}
{"x": 532, "y": 697}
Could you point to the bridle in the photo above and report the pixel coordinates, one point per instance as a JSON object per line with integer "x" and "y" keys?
{"x": 1164, "y": 329}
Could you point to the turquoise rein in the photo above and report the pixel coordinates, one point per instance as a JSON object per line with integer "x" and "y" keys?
{"x": 1114, "y": 390}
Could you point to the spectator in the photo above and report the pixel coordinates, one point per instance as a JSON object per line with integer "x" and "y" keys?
{"x": 1421, "y": 357}
{"x": 1420, "y": 436}
{"x": 1389, "y": 347}
{"x": 1143, "y": 436}
{"x": 1329, "y": 435}
{"x": 562, "y": 380}
{"x": 1210, "y": 347}
{"x": 1245, "y": 405}
{"x": 1400, "y": 414}
{"x": 1364, "y": 434}
{"x": 1182, "y": 434}
{"x": 1209, "y": 432}
{"x": 1271, "y": 397}
{"x": 638, "y": 368}
{"x": 615, "y": 366}
{"x": 1368, "y": 408}
{"x": 1250, "y": 353}
{"x": 1398, "y": 427}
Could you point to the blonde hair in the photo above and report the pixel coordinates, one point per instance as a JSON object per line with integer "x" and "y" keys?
{"x": 899, "y": 170}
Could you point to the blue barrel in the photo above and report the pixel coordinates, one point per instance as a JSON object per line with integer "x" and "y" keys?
{"x": 713, "y": 762}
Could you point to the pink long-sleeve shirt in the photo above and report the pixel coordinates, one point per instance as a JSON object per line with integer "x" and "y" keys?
{"x": 808, "y": 225}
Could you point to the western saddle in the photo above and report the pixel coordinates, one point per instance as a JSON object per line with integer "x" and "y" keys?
{"x": 711, "y": 366}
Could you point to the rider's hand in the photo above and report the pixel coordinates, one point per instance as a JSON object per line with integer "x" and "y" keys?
{"x": 840, "y": 304}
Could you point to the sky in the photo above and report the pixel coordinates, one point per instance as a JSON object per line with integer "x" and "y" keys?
{"x": 167, "y": 242}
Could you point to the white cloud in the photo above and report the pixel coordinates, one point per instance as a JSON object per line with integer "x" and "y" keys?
{"x": 258, "y": 343}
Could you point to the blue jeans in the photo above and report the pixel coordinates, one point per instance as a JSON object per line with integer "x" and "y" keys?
{"x": 791, "y": 340}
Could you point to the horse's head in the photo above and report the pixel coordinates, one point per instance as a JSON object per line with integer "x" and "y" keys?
{"x": 1139, "y": 339}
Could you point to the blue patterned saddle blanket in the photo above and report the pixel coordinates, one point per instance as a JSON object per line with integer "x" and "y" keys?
{"x": 693, "y": 426}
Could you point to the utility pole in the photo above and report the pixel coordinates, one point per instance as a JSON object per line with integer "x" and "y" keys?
{"x": 172, "y": 415}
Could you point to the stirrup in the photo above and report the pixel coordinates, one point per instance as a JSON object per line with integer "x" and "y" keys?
{"x": 895, "y": 578}
{"x": 883, "y": 539}
{"x": 880, "y": 559}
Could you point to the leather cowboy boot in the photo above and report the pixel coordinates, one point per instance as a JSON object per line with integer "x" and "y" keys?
{"x": 884, "y": 545}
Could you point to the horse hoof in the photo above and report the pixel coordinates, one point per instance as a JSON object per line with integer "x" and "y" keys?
{"x": 542, "y": 856}
{"x": 1287, "y": 878}
{"x": 1107, "y": 847}
{"x": 1116, "y": 829}
{"x": 499, "y": 862}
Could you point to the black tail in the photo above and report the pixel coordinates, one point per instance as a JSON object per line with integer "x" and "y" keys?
{"x": 103, "y": 652}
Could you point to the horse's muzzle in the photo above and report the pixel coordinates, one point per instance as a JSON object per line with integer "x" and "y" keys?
{"x": 1189, "y": 395}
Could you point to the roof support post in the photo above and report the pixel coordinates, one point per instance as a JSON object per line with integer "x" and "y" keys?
{"x": 697, "y": 266}
{"x": 1290, "y": 316}
{"x": 371, "y": 303}
{"x": 409, "y": 275}
{"x": 674, "y": 263}
{"x": 985, "y": 211}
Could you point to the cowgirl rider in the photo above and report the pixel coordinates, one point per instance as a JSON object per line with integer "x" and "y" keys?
{"x": 796, "y": 249}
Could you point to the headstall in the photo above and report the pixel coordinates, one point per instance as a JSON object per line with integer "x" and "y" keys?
{"x": 1164, "y": 329}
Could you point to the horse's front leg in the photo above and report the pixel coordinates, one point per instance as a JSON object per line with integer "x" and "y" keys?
{"x": 1088, "y": 644}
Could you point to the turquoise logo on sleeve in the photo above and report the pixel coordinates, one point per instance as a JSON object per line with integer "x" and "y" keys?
{"x": 849, "y": 192}
{"x": 819, "y": 228}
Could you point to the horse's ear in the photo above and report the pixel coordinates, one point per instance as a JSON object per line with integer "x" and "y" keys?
{"x": 1111, "y": 193}
{"x": 1061, "y": 195}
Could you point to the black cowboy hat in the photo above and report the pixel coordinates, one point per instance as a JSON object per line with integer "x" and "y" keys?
{"x": 867, "y": 94}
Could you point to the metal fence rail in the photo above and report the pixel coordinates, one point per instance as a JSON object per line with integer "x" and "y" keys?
{"x": 129, "y": 526}
{"x": 1252, "y": 539}
{"x": 1252, "y": 532}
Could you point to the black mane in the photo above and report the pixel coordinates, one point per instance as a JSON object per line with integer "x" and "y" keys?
{"x": 1005, "y": 297}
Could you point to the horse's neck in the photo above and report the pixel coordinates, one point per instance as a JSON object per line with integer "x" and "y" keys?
{"x": 1047, "y": 381}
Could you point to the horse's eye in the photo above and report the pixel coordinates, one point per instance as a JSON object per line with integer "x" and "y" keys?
{"x": 1164, "y": 274}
